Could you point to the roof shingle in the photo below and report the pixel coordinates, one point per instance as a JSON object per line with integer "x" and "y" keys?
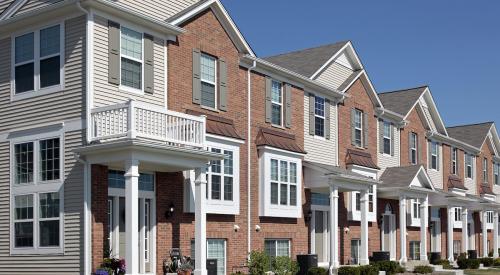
{"x": 399, "y": 176}
{"x": 401, "y": 101}
{"x": 473, "y": 134}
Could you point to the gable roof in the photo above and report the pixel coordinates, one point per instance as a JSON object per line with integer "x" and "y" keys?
{"x": 403, "y": 176}
{"x": 307, "y": 61}
{"x": 473, "y": 134}
{"x": 401, "y": 101}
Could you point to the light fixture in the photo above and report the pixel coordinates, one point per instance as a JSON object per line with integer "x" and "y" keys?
{"x": 308, "y": 216}
{"x": 170, "y": 211}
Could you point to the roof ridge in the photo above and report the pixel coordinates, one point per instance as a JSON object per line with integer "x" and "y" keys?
{"x": 305, "y": 49}
{"x": 404, "y": 90}
{"x": 471, "y": 124}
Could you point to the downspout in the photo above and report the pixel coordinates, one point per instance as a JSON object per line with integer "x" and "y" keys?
{"x": 249, "y": 148}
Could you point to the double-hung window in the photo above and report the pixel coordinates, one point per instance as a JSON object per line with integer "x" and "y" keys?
{"x": 276, "y": 103}
{"x": 485, "y": 170}
{"x": 454, "y": 157}
{"x": 415, "y": 250}
{"x": 370, "y": 200}
{"x": 36, "y": 200}
{"x": 277, "y": 247}
{"x": 37, "y": 61}
{"x": 283, "y": 182}
{"x": 131, "y": 52}
{"x": 496, "y": 168}
{"x": 416, "y": 209}
{"x": 208, "y": 71}
{"x": 413, "y": 143}
{"x": 358, "y": 128}
{"x": 469, "y": 166}
{"x": 434, "y": 155}
{"x": 319, "y": 116}
{"x": 387, "y": 137}
{"x": 489, "y": 217}
{"x": 458, "y": 214}
{"x": 221, "y": 176}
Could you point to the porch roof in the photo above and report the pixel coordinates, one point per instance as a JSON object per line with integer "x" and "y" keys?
{"x": 413, "y": 177}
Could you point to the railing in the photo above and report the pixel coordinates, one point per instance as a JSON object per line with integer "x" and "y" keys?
{"x": 135, "y": 119}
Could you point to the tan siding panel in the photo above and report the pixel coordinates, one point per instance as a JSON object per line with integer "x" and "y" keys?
{"x": 160, "y": 10}
{"x": 384, "y": 160}
{"x": 334, "y": 75}
{"x": 106, "y": 93}
{"x": 437, "y": 176}
{"x": 35, "y": 4}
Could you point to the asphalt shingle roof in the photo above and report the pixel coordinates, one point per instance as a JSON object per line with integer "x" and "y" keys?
{"x": 399, "y": 176}
{"x": 473, "y": 134}
{"x": 307, "y": 61}
{"x": 401, "y": 101}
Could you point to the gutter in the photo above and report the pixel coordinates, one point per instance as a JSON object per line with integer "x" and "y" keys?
{"x": 452, "y": 141}
{"x": 383, "y": 112}
{"x": 249, "y": 150}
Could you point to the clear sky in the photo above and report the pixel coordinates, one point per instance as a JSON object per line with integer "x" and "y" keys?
{"x": 451, "y": 45}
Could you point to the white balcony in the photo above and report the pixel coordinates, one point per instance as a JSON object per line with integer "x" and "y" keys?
{"x": 134, "y": 119}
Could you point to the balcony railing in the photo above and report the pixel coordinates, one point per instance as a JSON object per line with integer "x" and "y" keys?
{"x": 140, "y": 120}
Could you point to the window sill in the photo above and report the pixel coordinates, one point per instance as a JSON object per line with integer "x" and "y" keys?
{"x": 209, "y": 109}
{"x": 319, "y": 137}
{"x": 36, "y": 93}
{"x": 222, "y": 207}
{"x": 39, "y": 251}
{"x": 129, "y": 90}
{"x": 278, "y": 126}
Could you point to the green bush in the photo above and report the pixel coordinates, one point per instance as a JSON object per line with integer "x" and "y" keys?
{"x": 317, "y": 271}
{"x": 258, "y": 263}
{"x": 284, "y": 265}
{"x": 487, "y": 262}
{"x": 349, "y": 270}
{"x": 368, "y": 270}
{"x": 462, "y": 262}
{"x": 423, "y": 269}
{"x": 445, "y": 263}
{"x": 390, "y": 267}
{"x": 473, "y": 264}
{"x": 496, "y": 262}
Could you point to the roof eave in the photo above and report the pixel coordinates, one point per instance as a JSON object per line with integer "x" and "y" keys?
{"x": 452, "y": 141}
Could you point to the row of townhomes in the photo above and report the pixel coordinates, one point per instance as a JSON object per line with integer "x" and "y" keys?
{"x": 133, "y": 127}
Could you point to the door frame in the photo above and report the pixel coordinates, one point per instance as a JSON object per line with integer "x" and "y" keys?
{"x": 326, "y": 234}
{"x": 392, "y": 231}
{"x": 437, "y": 222}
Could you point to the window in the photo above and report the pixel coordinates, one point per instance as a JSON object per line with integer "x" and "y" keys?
{"x": 485, "y": 170}
{"x": 413, "y": 148}
{"x": 147, "y": 227}
{"x": 469, "y": 165}
{"x": 358, "y": 128}
{"x": 48, "y": 155}
{"x": 415, "y": 209}
{"x": 116, "y": 179}
{"x": 276, "y": 103}
{"x": 208, "y": 81}
{"x": 110, "y": 223}
{"x": 496, "y": 168}
{"x": 49, "y": 219}
{"x": 489, "y": 216}
{"x": 220, "y": 176}
{"x": 319, "y": 116}
{"x": 320, "y": 199}
{"x": 355, "y": 248}
{"x": 370, "y": 200}
{"x": 414, "y": 250}
{"x": 283, "y": 182}
{"x": 216, "y": 249}
{"x": 434, "y": 155}
{"x": 131, "y": 58}
{"x": 23, "y": 221}
{"x": 277, "y": 248}
{"x": 458, "y": 214}
{"x": 387, "y": 138}
{"x": 37, "y": 60}
{"x": 454, "y": 157}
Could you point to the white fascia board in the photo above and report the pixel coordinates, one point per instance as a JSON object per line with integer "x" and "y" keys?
{"x": 422, "y": 171}
{"x": 359, "y": 73}
{"x": 435, "y": 109}
{"x": 454, "y": 142}
{"x": 12, "y": 9}
{"x": 375, "y": 94}
{"x": 332, "y": 59}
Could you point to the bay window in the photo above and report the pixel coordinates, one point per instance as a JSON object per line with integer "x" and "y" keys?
{"x": 284, "y": 179}
{"x": 355, "y": 204}
{"x": 220, "y": 176}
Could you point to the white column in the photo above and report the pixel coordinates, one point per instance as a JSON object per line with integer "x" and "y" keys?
{"x": 495, "y": 234}
{"x": 363, "y": 257}
{"x": 485, "y": 233}
{"x": 132, "y": 216}
{"x": 465, "y": 234}
{"x": 424, "y": 210}
{"x": 402, "y": 227}
{"x": 334, "y": 225}
{"x": 451, "y": 219}
{"x": 200, "y": 222}
{"x": 142, "y": 241}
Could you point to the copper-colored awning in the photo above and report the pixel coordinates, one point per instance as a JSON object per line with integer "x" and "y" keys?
{"x": 486, "y": 189}
{"x": 356, "y": 157}
{"x": 456, "y": 182}
{"x": 218, "y": 125}
{"x": 278, "y": 140}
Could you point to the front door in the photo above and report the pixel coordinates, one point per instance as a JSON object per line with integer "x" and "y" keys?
{"x": 320, "y": 236}
{"x": 388, "y": 232}
{"x": 435, "y": 236}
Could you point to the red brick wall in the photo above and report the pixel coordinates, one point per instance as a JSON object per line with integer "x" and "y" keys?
{"x": 485, "y": 153}
{"x": 447, "y": 165}
{"x": 416, "y": 125}
{"x": 99, "y": 189}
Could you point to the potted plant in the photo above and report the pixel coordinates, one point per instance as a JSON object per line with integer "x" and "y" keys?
{"x": 185, "y": 268}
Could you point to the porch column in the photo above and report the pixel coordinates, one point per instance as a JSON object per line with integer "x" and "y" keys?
{"x": 132, "y": 216}
{"x": 424, "y": 210}
{"x": 200, "y": 217}
{"x": 465, "y": 234}
{"x": 334, "y": 225}
{"x": 402, "y": 227}
{"x": 495, "y": 234}
{"x": 451, "y": 219}
{"x": 485, "y": 233}
{"x": 364, "y": 201}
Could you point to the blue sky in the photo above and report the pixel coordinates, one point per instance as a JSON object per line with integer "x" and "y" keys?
{"x": 451, "y": 45}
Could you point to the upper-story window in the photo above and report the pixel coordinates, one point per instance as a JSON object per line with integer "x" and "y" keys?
{"x": 485, "y": 170}
{"x": 489, "y": 216}
{"x": 37, "y": 62}
{"x": 387, "y": 136}
{"x": 454, "y": 161}
{"x": 496, "y": 167}
{"x": 131, "y": 58}
{"x": 469, "y": 166}
{"x": 221, "y": 176}
{"x": 208, "y": 81}
{"x": 415, "y": 209}
{"x": 458, "y": 214}
{"x": 434, "y": 155}
{"x": 319, "y": 116}
{"x": 413, "y": 144}
{"x": 358, "y": 127}
{"x": 277, "y": 103}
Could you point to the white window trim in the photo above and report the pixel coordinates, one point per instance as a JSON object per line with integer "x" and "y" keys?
{"x": 496, "y": 173}
{"x": 454, "y": 160}
{"x": 210, "y": 82}
{"x": 471, "y": 165}
{"x": 265, "y": 206}
{"x": 275, "y": 240}
{"x": 121, "y": 86}
{"x": 414, "y": 136}
{"x": 360, "y": 128}
{"x": 384, "y": 137}
{"x": 36, "y": 188}
{"x": 321, "y": 117}
{"x": 414, "y": 221}
{"x": 355, "y": 215}
{"x": 36, "y": 59}
{"x": 277, "y": 103}
{"x": 485, "y": 170}
{"x": 457, "y": 223}
{"x": 433, "y": 143}
{"x": 489, "y": 222}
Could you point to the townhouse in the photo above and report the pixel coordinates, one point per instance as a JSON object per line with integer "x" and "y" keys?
{"x": 131, "y": 128}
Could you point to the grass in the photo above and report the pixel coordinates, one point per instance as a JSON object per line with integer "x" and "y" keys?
{"x": 482, "y": 272}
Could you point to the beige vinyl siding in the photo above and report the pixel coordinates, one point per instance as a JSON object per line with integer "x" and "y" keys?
{"x": 436, "y": 176}
{"x": 53, "y": 107}
{"x": 71, "y": 261}
{"x": 384, "y": 160}
{"x": 496, "y": 190}
{"x": 35, "y": 4}
{"x": 470, "y": 184}
{"x": 106, "y": 93}
{"x": 334, "y": 75}
{"x": 4, "y": 4}
{"x": 318, "y": 149}
{"x": 160, "y": 10}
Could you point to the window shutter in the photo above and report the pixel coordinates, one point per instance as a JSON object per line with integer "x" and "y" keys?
{"x": 288, "y": 105}
{"x": 222, "y": 85}
{"x": 365, "y": 130}
{"x": 381, "y": 136}
{"x": 409, "y": 147}
{"x": 268, "y": 99}
{"x": 327, "y": 118}
{"x": 113, "y": 53}
{"x": 196, "y": 77}
{"x": 392, "y": 139}
{"x": 312, "y": 124}
{"x": 353, "y": 127}
{"x": 148, "y": 63}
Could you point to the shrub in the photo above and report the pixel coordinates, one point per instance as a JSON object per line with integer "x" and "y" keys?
{"x": 368, "y": 270}
{"x": 423, "y": 269}
{"x": 462, "y": 262}
{"x": 473, "y": 264}
{"x": 317, "y": 271}
{"x": 496, "y": 262}
{"x": 445, "y": 263}
{"x": 284, "y": 265}
{"x": 258, "y": 263}
{"x": 349, "y": 270}
{"x": 487, "y": 262}
{"x": 390, "y": 267}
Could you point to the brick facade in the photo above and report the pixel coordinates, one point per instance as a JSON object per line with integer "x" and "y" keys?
{"x": 99, "y": 227}
{"x": 416, "y": 126}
